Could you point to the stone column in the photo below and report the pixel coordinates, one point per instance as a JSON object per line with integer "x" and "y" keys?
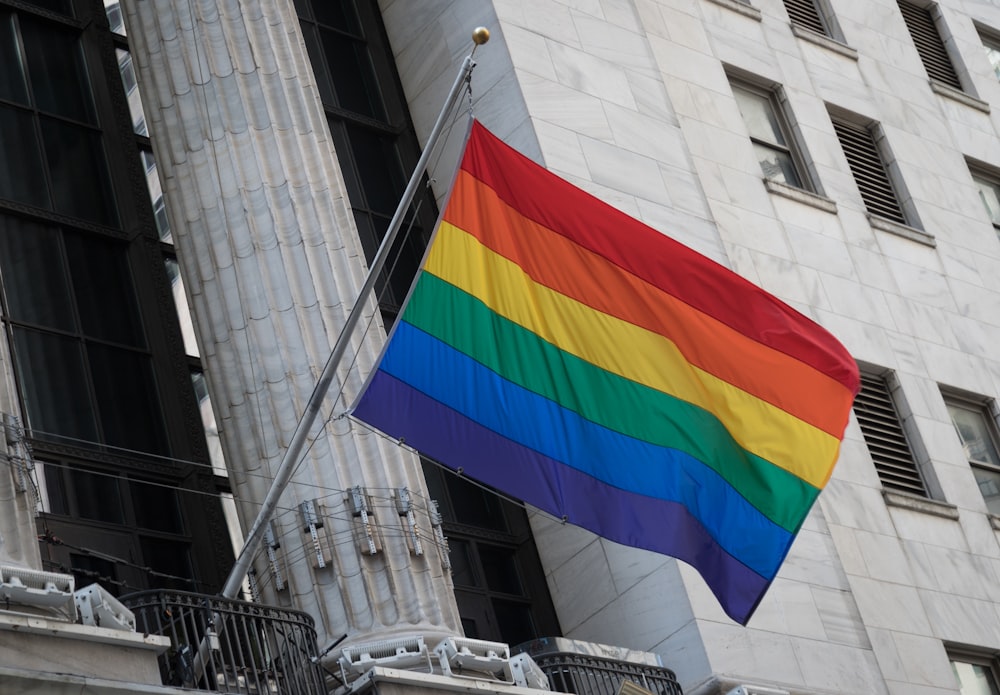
{"x": 272, "y": 263}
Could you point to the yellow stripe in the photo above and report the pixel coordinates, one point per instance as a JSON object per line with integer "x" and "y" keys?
{"x": 630, "y": 351}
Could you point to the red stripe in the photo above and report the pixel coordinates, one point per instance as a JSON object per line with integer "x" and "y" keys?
{"x": 659, "y": 260}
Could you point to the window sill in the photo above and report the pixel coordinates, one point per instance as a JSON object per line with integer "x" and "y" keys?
{"x": 801, "y": 195}
{"x": 740, "y": 7}
{"x": 903, "y": 230}
{"x": 959, "y": 96}
{"x": 824, "y": 41}
{"x": 916, "y": 503}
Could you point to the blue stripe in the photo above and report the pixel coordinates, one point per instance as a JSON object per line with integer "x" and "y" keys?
{"x": 461, "y": 383}
{"x": 624, "y": 517}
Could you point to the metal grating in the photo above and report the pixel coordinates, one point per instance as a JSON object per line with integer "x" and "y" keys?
{"x": 926, "y": 38}
{"x": 885, "y": 437}
{"x": 869, "y": 171}
{"x": 804, "y": 13}
{"x": 229, "y": 646}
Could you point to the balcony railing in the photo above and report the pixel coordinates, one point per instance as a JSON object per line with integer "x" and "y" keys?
{"x": 228, "y": 646}
{"x": 573, "y": 667}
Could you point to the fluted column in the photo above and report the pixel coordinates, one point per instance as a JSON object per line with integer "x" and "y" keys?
{"x": 272, "y": 263}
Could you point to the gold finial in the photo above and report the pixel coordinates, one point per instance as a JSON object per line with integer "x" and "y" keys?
{"x": 480, "y": 35}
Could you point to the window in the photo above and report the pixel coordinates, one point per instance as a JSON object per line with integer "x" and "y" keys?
{"x": 975, "y": 674}
{"x": 500, "y": 587}
{"x": 991, "y": 45}
{"x": 771, "y": 135}
{"x": 883, "y": 431}
{"x": 920, "y": 21}
{"x": 869, "y": 170}
{"x": 976, "y": 428}
{"x": 371, "y": 130}
{"x": 805, "y": 14}
{"x": 989, "y": 193}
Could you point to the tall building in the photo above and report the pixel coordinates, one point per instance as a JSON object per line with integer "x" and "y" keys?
{"x": 842, "y": 155}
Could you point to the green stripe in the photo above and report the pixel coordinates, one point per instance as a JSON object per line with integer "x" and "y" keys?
{"x": 607, "y": 399}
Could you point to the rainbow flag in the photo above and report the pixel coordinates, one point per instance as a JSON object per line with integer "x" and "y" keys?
{"x": 569, "y": 355}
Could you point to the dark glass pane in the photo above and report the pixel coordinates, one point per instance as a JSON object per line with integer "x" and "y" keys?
{"x": 78, "y": 169}
{"x": 777, "y": 165}
{"x": 310, "y": 35}
{"x": 473, "y": 505}
{"x": 127, "y": 399}
{"x": 156, "y": 508}
{"x": 22, "y": 174}
{"x": 55, "y": 490}
{"x": 97, "y": 496}
{"x": 60, "y": 6}
{"x": 12, "y": 86}
{"x": 56, "y": 70}
{"x": 53, "y": 382}
{"x": 500, "y": 568}
{"x": 168, "y": 558}
{"x": 353, "y": 75}
{"x": 34, "y": 274}
{"x": 338, "y": 130}
{"x": 436, "y": 489}
{"x": 378, "y": 166}
{"x": 105, "y": 295}
{"x": 463, "y": 571}
{"x": 302, "y": 8}
{"x": 514, "y": 620}
{"x": 370, "y": 238}
{"x": 339, "y": 15}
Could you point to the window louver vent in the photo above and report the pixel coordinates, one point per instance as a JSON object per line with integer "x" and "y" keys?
{"x": 869, "y": 171}
{"x": 929, "y": 45}
{"x": 885, "y": 438}
{"x": 804, "y": 14}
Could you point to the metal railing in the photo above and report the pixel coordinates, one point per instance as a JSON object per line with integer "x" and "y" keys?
{"x": 230, "y": 646}
{"x": 585, "y": 674}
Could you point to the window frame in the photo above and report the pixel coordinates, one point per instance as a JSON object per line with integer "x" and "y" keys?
{"x": 990, "y": 39}
{"x": 975, "y": 657}
{"x": 981, "y": 174}
{"x": 777, "y": 101}
{"x": 987, "y": 409}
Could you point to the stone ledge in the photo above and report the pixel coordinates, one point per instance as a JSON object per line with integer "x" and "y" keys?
{"x": 959, "y": 96}
{"x": 743, "y": 8}
{"x": 903, "y": 230}
{"x": 801, "y": 195}
{"x": 824, "y": 41}
{"x": 916, "y": 503}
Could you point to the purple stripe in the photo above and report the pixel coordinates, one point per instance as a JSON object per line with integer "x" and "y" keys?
{"x": 628, "y": 518}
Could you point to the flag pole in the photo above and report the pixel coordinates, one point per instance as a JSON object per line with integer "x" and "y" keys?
{"x": 290, "y": 458}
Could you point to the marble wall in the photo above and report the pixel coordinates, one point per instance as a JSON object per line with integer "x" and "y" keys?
{"x": 631, "y": 100}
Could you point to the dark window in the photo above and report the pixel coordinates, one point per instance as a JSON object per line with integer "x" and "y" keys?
{"x": 883, "y": 431}
{"x": 499, "y": 584}
{"x": 869, "y": 170}
{"x": 369, "y": 122}
{"x": 927, "y": 39}
{"x": 79, "y": 346}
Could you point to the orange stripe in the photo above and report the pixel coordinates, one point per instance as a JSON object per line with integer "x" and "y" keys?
{"x": 556, "y": 262}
